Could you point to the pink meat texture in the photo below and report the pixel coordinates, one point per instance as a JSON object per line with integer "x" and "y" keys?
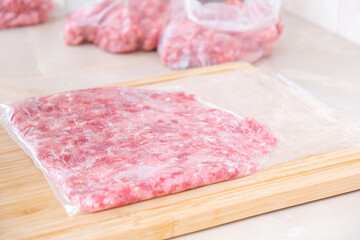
{"x": 118, "y": 26}
{"x": 108, "y": 147}
{"x": 16, "y": 13}
{"x": 186, "y": 44}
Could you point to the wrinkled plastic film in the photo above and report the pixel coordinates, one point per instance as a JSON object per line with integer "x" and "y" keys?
{"x": 213, "y": 32}
{"x": 233, "y": 15}
{"x": 109, "y": 147}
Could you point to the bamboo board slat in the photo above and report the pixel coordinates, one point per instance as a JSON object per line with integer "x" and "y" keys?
{"x": 29, "y": 210}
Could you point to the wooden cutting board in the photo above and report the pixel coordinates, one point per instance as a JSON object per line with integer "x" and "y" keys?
{"x": 29, "y": 210}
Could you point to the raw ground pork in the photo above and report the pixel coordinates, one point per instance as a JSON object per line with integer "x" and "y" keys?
{"x": 118, "y": 26}
{"x": 185, "y": 44}
{"x": 109, "y": 147}
{"x": 15, "y": 13}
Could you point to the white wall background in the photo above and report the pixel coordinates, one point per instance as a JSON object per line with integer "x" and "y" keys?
{"x": 338, "y": 16}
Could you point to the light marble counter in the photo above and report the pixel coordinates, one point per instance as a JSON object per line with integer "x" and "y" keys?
{"x": 34, "y": 61}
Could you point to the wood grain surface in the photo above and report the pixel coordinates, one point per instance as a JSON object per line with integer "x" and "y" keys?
{"x": 29, "y": 209}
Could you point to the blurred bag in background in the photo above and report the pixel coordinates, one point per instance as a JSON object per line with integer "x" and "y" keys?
{"x": 192, "y": 33}
{"x": 203, "y": 33}
{"x": 118, "y": 26}
{"x": 16, "y": 13}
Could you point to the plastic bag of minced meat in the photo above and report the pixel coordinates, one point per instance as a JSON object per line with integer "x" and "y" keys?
{"x": 203, "y": 33}
{"x": 16, "y": 13}
{"x": 108, "y": 147}
{"x": 118, "y": 26}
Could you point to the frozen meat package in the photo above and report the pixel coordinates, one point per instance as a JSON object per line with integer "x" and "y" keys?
{"x": 16, "y": 13}
{"x": 118, "y": 26}
{"x": 107, "y": 147}
{"x": 202, "y": 33}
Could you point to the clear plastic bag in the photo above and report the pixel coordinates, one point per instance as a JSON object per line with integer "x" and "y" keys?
{"x": 302, "y": 123}
{"x": 102, "y": 148}
{"x": 16, "y": 13}
{"x": 118, "y": 26}
{"x": 116, "y": 146}
{"x": 203, "y": 33}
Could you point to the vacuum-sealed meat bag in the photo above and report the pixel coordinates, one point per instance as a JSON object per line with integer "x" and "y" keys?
{"x": 107, "y": 147}
{"x": 16, "y": 13}
{"x": 203, "y": 33}
{"x": 118, "y": 26}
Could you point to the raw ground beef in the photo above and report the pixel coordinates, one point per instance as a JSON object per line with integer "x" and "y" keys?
{"x": 15, "y": 13}
{"x": 108, "y": 147}
{"x": 118, "y": 26}
{"x": 186, "y": 44}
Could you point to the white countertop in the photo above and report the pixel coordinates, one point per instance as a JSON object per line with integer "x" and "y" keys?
{"x": 34, "y": 61}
